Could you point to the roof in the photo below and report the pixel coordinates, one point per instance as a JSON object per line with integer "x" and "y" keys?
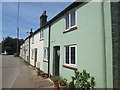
{"x": 73, "y": 5}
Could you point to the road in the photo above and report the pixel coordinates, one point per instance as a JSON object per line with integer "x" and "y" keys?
{"x": 10, "y": 70}
{"x": 15, "y": 74}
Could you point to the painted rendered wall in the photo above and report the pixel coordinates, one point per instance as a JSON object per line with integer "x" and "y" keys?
{"x": 46, "y": 32}
{"x": 39, "y": 45}
{"x": 26, "y": 49}
{"x": 90, "y": 41}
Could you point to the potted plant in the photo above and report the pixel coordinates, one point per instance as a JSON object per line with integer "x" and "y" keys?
{"x": 63, "y": 83}
{"x": 42, "y": 74}
{"x": 55, "y": 79}
{"x": 38, "y": 72}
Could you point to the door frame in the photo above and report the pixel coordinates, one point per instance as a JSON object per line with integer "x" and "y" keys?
{"x": 56, "y": 67}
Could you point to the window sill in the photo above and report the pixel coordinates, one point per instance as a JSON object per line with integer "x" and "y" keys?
{"x": 71, "y": 29}
{"x": 45, "y": 61}
{"x": 70, "y": 67}
{"x": 41, "y": 39}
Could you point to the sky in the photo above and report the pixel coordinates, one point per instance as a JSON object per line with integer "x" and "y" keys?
{"x": 29, "y": 13}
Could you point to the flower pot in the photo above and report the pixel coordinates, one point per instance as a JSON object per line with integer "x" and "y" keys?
{"x": 56, "y": 85}
{"x": 63, "y": 87}
{"x": 38, "y": 74}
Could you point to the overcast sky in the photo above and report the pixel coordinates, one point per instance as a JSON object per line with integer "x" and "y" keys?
{"x": 28, "y": 16}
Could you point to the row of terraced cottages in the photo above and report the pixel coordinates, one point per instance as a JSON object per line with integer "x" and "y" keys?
{"x": 83, "y": 36}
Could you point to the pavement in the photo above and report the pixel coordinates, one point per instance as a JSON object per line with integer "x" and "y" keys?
{"x": 20, "y": 75}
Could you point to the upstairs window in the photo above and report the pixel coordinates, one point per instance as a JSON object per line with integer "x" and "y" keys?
{"x": 41, "y": 34}
{"x": 70, "y": 19}
{"x": 32, "y": 39}
{"x": 70, "y": 55}
{"x": 67, "y": 20}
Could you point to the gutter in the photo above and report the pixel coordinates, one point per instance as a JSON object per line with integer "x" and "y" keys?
{"x": 29, "y": 49}
{"x": 104, "y": 42}
{"x": 49, "y": 49}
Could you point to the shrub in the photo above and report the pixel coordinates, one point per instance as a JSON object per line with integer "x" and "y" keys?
{"x": 16, "y": 54}
{"x": 39, "y": 71}
{"x": 63, "y": 82}
{"x": 55, "y": 78}
{"x": 26, "y": 63}
{"x": 82, "y": 80}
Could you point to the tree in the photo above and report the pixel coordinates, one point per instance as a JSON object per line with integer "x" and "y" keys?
{"x": 9, "y": 44}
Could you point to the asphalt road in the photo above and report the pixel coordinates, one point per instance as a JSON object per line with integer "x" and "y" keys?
{"x": 10, "y": 70}
{"x": 15, "y": 74}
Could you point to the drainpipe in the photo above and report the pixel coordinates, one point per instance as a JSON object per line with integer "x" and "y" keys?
{"x": 49, "y": 51}
{"x": 104, "y": 42}
{"x": 29, "y": 49}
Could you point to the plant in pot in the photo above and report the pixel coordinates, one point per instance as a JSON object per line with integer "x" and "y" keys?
{"x": 42, "y": 74}
{"x": 55, "y": 79}
{"x": 38, "y": 72}
{"x": 63, "y": 83}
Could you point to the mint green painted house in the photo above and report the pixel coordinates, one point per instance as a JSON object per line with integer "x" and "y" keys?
{"x": 80, "y": 37}
{"x": 84, "y": 36}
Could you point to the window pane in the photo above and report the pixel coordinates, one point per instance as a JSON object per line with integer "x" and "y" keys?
{"x": 72, "y": 18}
{"x": 42, "y": 34}
{"x": 72, "y": 55}
{"x": 67, "y": 20}
{"x": 67, "y": 55}
{"x": 47, "y": 53}
{"x": 32, "y": 39}
{"x": 44, "y": 53}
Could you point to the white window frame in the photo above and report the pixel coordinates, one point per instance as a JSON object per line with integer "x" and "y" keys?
{"x": 32, "y": 39}
{"x": 70, "y": 55}
{"x": 41, "y": 34}
{"x": 32, "y": 53}
{"x": 46, "y": 58}
{"x": 70, "y": 19}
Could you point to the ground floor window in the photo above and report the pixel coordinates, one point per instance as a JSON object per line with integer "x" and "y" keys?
{"x": 32, "y": 53}
{"x": 70, "y": 55}
{"x": 45, "y": 53}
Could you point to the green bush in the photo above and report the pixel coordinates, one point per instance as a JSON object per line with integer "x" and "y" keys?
{"x": 39, "y": 71}
{"x": 82, "y": 80}
{"x": 16, "y": 54}
{"x": 26, "y": 63}
{"x": 55, "y": 78}
{"x": 63, "y": 82}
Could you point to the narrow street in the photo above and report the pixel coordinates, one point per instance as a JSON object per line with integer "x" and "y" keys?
{"x": 15, "y": 74}
{"x": 10, "y": 70}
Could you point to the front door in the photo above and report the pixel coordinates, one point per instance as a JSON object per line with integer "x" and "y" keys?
{"x": 35, "y": 57}
{"x": 56, "y": 59}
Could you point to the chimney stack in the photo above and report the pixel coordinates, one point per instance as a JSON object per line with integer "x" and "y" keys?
{"x": 43, "y": 19}
{"x": 31, "y": 32}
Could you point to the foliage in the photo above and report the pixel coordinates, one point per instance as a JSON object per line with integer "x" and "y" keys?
{"x": 9, "y": 44}
{"x": 39, "y": 71}
{"x": 82, "y": 80}
{"x": 26, "y": 63}
{"x": 16, "y": 54}
{"x": 63, "y": 82}
{"x": 55, "y": 78}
